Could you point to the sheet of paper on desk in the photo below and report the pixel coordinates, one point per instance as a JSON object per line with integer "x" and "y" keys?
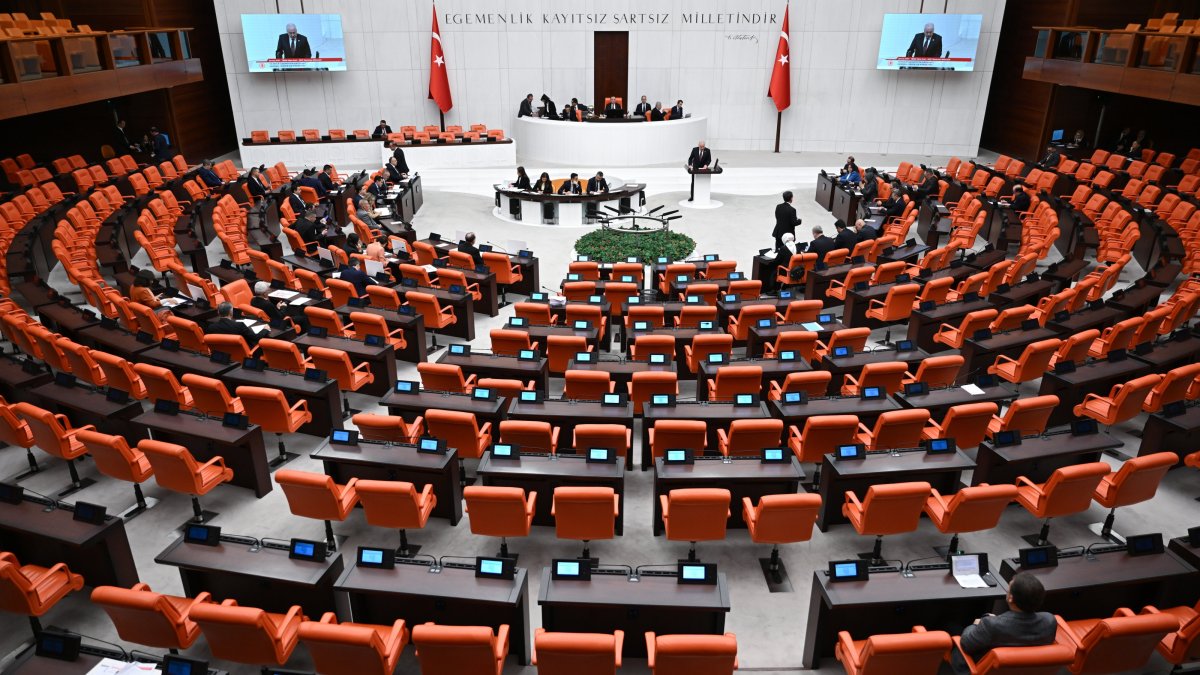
{"x": 965, "y": 569}
{"x": 429, "y": 268}
{"x": 116, "y": 667}
{"x": 972, "y": 389}
{"x": 248, "y": 322}
{"x": 298, "y": 300}
{"x": 811, "y": 325}
{"x": 172, "y": 302}
{"x": 283, "y": 294}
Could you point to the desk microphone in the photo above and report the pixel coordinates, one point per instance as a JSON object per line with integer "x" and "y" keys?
{"x": 504, "y": 250}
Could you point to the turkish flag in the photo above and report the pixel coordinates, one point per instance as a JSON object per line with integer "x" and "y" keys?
{"x": 781, "y": 73}
{"x": 439, "y": 82}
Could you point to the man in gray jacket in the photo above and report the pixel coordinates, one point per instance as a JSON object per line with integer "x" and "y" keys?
{"x": 1022, "y": 626}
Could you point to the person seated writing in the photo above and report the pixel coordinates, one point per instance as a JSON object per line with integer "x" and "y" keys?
{"x": 597, "y": 183}
{"x": 522, "y": 182}
{"x": 544, "y": 185}
{"x": 571, "y": 187}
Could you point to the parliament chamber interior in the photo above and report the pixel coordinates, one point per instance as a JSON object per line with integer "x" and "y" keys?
{"x": 346, "y": 338}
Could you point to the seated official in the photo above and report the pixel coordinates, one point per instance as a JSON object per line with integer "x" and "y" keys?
{"x": 311, "y": 230}
{"x": 351, "y": 274}
{"x": 141, "y": 291}
{"x": 642, "y": 108}
{"x": 849, "y": 167}
{"x": 225, "y": 324}
{"x": 845, "y": 238}
{"x": 1020, "y": 201}
{"x": 526, "y": 109}
{"x": 851, "y": 178}
{"x": 821, "y": 244}
{"x": 929, "y": 185}
{"x": 657, "y": 114}
{"x": 382, "y": 130}
{"x": 273, "y": 309}
{"x": 467, "y": 245}
{"x": 309, "y": 179}
{"x": 864, "y": 231}
{"x": 392, "y": 170}
{"x": 378, "y": 189}
{"x": 613, "y": 109}
{"x": 571, "y": 186}
{"x": 893, "y": 206}
{"x": 544, "y": 185}
{"x": 1021, "y": 626}
{"x": 353, "y": 244}
{"x": 522, "y": 181}
{"x": 597, "y": 184}
{"x": 258, "y": 186}
{"x": 1052, "y": 159}
{"x": 677, "y": 110}
{"x": 783, "y": 253}
{"x": 326, "y": 178}
{"x": 208, "y": 176}
{"x": 870, "y": 187}
{"x": 376, "y": 252}
{"x": 568, "y": 113}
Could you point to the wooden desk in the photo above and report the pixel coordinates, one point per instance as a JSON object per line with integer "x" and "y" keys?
{"x": 1083, "y": 589}
{"x": 773, "y": 370}
{"x": 454, "y": 596}
{"x": 866, "y": 411}
{"x": 381, "y": 360}
{"x": 242, "y": 449}
{"x": 324, "y": 398}
{"x": 1024, "y": 293}
{"x": 16, "y": 384}
{"x": 621, "y": 371}
{"x": 84, "y": 406}
{"x": 726, "y": 309}
{"x": 943, "y": 472}
{"x": 463, "y": 304}
{"x": 379, "y": 461}
{"x": 503, "y": 367}
{"x": 853, "y": 364}
{"x": 1088, "y": 319}
{"x": 539, "y": 334}
{"x": 567, "y": 414}
{"x": 891, "y": 603}
{"x": 857, "y": 303}
{"x": 655, "y": 604}
{"x": 756, "y": 337}
{"x": 979, "y": 354}
{"x": 742, "y": 476}
{"x": 1096, "y": 377}
{"x": 100, "y": 553}
{"x": 1185, "y": 551}
{"x": 1179, "y": 434}
{"x": 415, "y": 351}
{"x": 1037, "y": 458}
{"x": 266, "y": 578}
{"x": 923, "y": 325}
{"x": 183, "y": 361}
{"x": 412, "y": 406}
{"x": 1137, "y": 301}
{"x": 65, "y": 320}
{"x": 717, "y": 415}
{"x": 825, "y": 189}
{"x": 530, "y": 274}
{"x": 542, "y": 473}
{"x": 909, "y": 254}
{"x": 938, "y": 401}
{"x": 1170, "y": 355}
{"x": 816, "y": 282}
{"x": 679, "y": 288}
{"x": 115, "y": 341}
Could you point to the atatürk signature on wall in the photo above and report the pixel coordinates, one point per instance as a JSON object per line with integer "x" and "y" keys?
{"x": 743, "y": 37}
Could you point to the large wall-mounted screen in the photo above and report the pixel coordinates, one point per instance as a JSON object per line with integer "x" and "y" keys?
{"x": 285, "y": 42}
{"x": 929, "y": 41}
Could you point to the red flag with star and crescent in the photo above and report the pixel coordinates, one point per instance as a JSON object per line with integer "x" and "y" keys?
{"x": 439, "y": 82}
{"x": 781, "y": 73}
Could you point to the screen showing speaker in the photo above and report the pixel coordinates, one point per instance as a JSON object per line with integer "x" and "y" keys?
{"x": 929, "y": 42}
{"x": 278, "y": 43}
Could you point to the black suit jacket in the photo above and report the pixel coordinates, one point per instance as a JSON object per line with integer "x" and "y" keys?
{"x": 223, "y": 326}
{"x": 522, "y": 183}
{"x": 326, "y": 181}
{"x": 314, "y": 183}
{"x": 526, "y": 109}
{"x": 472, "y": 251}
{"x": 569, "y": 188}
{"x": 656, "y": 115}
{"x": 641, "y": 109}
{"x": 676, "y": 112}
{"x": 545, "y": 187}
{"x": 785, "y": 220}
{"x": 266, "y": 305}
{"x": 699, "y": 157}
{"x": 382, "y": 130}
{"x": 867, "y": 232}
{"x": 398, "y": 153}
{"x": 821, "y": 245}
{"x": 597, "y": 185}
{"x": 551, "y": 109}
{"x": 355, "y": 276}
{"x": 393, "y": 173}
{"x": 379, "y": 191}
{"x": 917, "y": 47}
{"x": 846, "y": 239}
{"x": 1051, "y": 160}
{"x": 283, "y": 49}
{"x": 1010, "y": 629}
{"x": 1021, "y": 202}
{"x": 257, "y": 189}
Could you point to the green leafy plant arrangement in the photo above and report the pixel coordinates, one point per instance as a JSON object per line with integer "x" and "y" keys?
{"x": 610, "y": 246}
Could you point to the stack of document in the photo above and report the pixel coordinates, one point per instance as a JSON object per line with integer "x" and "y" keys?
{"x": 116, "y": 667}
{"x": 283, "y": 294}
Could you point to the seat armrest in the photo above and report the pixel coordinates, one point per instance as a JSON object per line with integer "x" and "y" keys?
{"x": 1026, "y": 481}
{"x": 531, "y": 503}
{"x": 501, "y": 648}
{"x": 650, "y": 650}
{"x": 851, "y": 498}
{"x": 849, "y": 653}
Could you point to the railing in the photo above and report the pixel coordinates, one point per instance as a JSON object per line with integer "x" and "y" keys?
{"x": 38, "y": 57}
{"x": 1157, "y": 64}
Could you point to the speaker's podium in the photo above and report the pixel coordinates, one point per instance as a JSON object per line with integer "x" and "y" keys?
{"x": 702, "y": 187}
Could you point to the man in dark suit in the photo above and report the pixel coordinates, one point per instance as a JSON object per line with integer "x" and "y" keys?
{"x": 597, "y": 183}
{"x": 394, "y": 174}
{"x": 382, "y": 130}
{"x": 225, "y": 324}
{"x": 379, "y": 189}
{"x": 571, "y": 186}
{"x": 325, "y": 178}
{"x": 292, "y": 45}
{"x": 642, "y": 107}
{"x": 677, "y": 110}
{"x": 1020, "y": 199}
{"x": 929, "y": 185}
{"x": 526, "y": 109}
{"x": 121, "y": 142}
{"x": 845, "y": 237}
{"x": 467, "y": 245}
{"x": 309, "y": 179}
{"x": 785, "y": 219}
{"x": 1052, "y": 159}
{"x": 398, "y": 153}
{"x": 894, "y": 205}
{"x": 657, "y": 114}
{"x": 1022, "y": 626}
{"x": 699, "y": 158}
{"x": 864, "y": 231}
{"x": 820, "y": 243}
{"x": 210, "y": 177}
{"x": 926, "y": 44}
{"x": 613, "y": 109}
{"x": 309, "y": 228}
{"x": 352, "y": 275}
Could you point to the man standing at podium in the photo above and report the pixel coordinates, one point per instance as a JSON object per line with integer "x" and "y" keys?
{"x": 926, "y": 44}
{"x": 699, "y": 161}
